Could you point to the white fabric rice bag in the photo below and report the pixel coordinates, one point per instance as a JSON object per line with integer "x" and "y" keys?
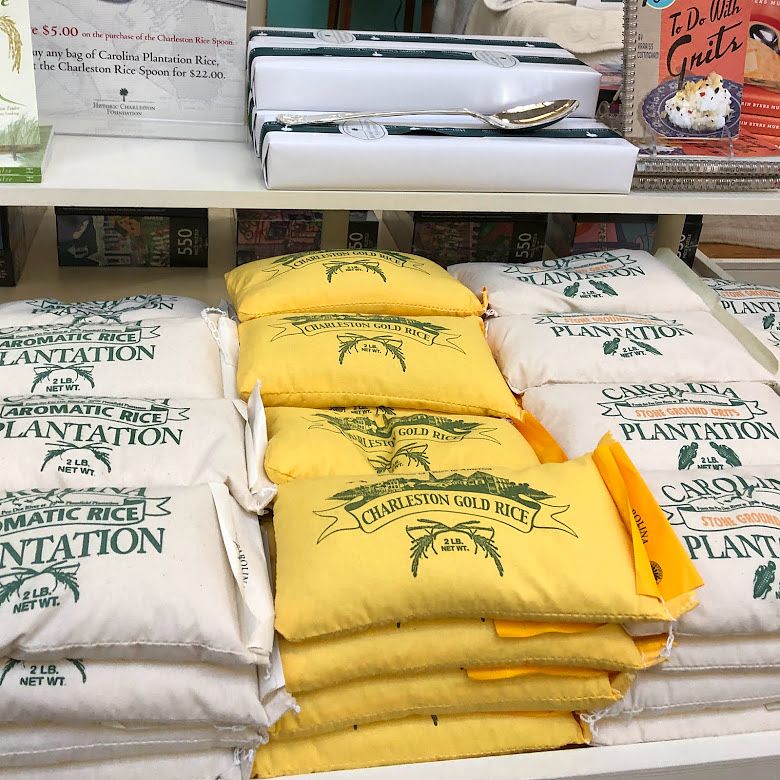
{"x": 173, "y": 358}
{"x": 618, "y": 280}
{"x": 201, "y": 765}
{"x": 46, "y": 744}
{"x": 655, "y": 691}
{"x": 651, "y": 727}
{"x": 72, "y": 691}
{"x": 756, "y": 306}
{"x": 156, "y": 574}
{"x": 665, "y": 426}
{"x": 729, "y": 523}
{"x": 540, "y": 349}
{"x": 50, "y": 311}
{"x": 703, "y": 653}
{"x": 73, "y": 442}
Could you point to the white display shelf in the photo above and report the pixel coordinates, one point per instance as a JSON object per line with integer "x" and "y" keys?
{"x": 93, "y": 171}
{"x": 746, "y": 756}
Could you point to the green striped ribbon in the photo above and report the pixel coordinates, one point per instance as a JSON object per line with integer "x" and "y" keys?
{"x": 403, "y": 54}
{"x": 447, "y": 132}
{"x": 522, "y": 43}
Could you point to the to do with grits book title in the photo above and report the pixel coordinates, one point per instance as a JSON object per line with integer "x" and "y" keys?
{"x": 685, "y": 69}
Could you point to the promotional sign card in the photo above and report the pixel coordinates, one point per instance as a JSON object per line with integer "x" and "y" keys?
{"x": 164, "y": 68}
{"x": 18, "y": 106}
{"x": 684, "y": 63}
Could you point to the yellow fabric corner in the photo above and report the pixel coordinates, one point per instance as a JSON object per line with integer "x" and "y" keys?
{"x": 518, "y": 629}
{"x": 541, "y": 440}
{"x": 435, "y": 645}
{"x": 416, "y": 739}
{"x": 662, "y": 565}
{"x": 652, "y": 649}
{"x": 545, "y": 544}
{"x": 445, "y": 693}
{"x": 357, "y": 281}
{"x": 440, "y": 364}
{"x": 310, "y": 443}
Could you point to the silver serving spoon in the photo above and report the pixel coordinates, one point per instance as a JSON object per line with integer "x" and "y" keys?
{"x": 530, "y": 117}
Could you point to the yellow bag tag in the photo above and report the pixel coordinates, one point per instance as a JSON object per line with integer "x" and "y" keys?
{"x": 424, "y": 738}
{"x": 662, "y": 565}
{"x": 484, "y": 673}
{"x": 518, "y": 629}
{"x": 544, "y": 445}
{"x": 357, "y": 281}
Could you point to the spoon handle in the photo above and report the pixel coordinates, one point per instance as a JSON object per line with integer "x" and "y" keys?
{"x": 315, "y": 119}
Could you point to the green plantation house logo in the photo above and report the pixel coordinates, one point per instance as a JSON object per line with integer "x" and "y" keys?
{"x": 340, "y": 263}
{"x": 47, "y": 536}
{"x": 38, "y": 675}
{"x": 582, "y": 276}
{"x": 711, "y": 422}
{"x": 445, "y": 514}
{"x": 367, "y": 334}
{"x": 726, "y": 517}
{"x": 103, "y": 311}
{"x": 623, "y": 336}
{"x": 395, "y": 442}
{"x": 81, "y": 434}
{"x": 63, "y": 357}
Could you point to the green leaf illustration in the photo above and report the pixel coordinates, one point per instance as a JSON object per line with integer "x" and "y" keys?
{"x": 414, "y": 455}
{"x": 731, "y": 457}
{"x": 571, "y": 290}
{"x": 687, "y": 456}
{"x": 65, "y": 574}
{"x": 420, "y": 549}
{"x": 611, "y": 346}
{"x": 604, "y": 288}
{"x": 768, "y": 321}
{"x": 346, "y": 345}
{"x": 394, "y": 348}
{"x": 387, "y": 411}
{"x": 12, "y": 588}
{"x": 102, "y": 456}
{"x": 647, "y": 347}
{"x": 9, "y": 665}
{"x": 380, "y": 464}
{"x": 41, "y": 375}
{"x": 85, "y": 372}
{"x": 489, "y": 548}
{"x": 79, "y": 664}
{"x": 52, "y": 454}
{"x": 375, "y": 269}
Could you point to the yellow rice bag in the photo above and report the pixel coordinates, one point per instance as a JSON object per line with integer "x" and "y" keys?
{"x": 422, "y": 738}
{"x": 317, "y": 361}
{"x": 546, "y": 543}
{"x": 447, "y": 692}
{"x": 432, "y": 645}
{"x": 359, "y": 281}
{"x": 308, "y": 443}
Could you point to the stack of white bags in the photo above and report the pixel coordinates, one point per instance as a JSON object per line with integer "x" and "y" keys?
{"x": 637, "y": 345}
{"x": 136, "y": 616}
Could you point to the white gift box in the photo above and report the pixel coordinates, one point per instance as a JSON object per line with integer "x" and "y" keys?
{"x": 316, "y": 71}
{"x": 415, "y": 154}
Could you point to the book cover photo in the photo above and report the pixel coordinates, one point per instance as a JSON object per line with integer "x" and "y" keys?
{"x": 685, "y": 64}
{"x": 762, "y": 61}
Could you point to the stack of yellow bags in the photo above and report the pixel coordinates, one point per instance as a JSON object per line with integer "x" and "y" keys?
{"x": 447, "y": 585}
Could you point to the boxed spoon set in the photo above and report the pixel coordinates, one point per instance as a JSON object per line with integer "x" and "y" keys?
{"x": 427, "y": 112}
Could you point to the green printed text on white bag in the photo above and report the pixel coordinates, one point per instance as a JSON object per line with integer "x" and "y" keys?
{"x": 163, "y": 574}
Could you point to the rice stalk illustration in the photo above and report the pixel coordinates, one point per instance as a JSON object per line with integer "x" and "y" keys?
{"x": 8, "y": 26}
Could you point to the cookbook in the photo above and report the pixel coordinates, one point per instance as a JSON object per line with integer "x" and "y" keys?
{"x": 684, "y": 68}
